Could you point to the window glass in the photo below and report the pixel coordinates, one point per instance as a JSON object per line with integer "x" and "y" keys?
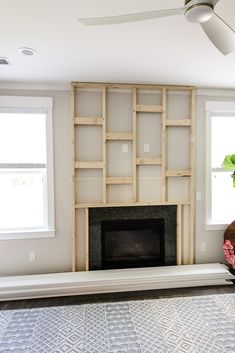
{"x": 22, "y": 138}
{"x": 22, "y": 199}
{"x": 220, "y": 141}
{"x": 222, "y": 138}
{"x": 222, "y": 198}
{"x": 26, "y": 167}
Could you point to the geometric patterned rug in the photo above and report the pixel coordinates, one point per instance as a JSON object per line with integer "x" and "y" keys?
{"x": 183, "y": 325}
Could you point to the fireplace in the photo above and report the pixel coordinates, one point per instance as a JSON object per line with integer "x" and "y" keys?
{"x": 132, "y": 243}
{"x": 132, "y": 236}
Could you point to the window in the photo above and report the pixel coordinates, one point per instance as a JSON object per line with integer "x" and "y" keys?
{"x": 26, "y": 168}
{"x": 220, "y": 141}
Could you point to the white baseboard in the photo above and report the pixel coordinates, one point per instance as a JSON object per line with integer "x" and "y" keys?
{"x": 109, "y": 281}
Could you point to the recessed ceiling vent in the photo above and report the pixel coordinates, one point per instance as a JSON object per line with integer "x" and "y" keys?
{"x": 4, "y": 61}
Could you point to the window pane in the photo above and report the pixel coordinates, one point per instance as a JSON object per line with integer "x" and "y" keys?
{"x": 22, "y": 138}
{"x": 223, "y": 198}
{"x": 222, "y": 138}
{"x": 22, "y": 199}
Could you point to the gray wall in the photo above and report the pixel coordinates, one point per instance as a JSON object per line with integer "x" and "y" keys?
{"x": 212, "y": 238}
{"x": 54, "y": 254}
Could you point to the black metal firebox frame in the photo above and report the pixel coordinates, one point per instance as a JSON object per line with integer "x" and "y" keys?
{"x": 99, "y": 214}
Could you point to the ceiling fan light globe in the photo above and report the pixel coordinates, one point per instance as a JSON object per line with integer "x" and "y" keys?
{"x": 198, "y": 13}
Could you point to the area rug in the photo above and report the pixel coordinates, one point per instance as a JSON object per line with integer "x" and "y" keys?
{"x": 184, "y": 324}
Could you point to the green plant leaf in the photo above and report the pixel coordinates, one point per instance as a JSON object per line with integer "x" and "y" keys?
{"x": 227, "y": 163}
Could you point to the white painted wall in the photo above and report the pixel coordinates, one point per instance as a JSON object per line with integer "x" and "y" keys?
{"x": 54, "y": 254}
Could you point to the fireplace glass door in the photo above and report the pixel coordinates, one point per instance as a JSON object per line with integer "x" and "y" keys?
{"x": 132, "y": 243}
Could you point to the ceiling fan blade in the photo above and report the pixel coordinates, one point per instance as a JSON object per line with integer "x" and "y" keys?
{"x": 141, "y": 16}
{"x": 220, "y": 33}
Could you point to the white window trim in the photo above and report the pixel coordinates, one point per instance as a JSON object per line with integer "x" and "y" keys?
{"x": 36, "y": 104}
{"x": 213, "y": 108}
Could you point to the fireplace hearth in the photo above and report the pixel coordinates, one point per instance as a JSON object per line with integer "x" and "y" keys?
{"x": 133, "y": 236}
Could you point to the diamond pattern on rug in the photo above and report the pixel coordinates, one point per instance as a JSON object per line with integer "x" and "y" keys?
{"x": 95, "y": 332}
{"x": 71, "y": 328}
{"x": 196, "y": 335}
{"x": 204, "y": 324}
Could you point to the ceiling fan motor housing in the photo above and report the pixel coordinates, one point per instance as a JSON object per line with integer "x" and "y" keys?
{"x": 199, "y": 12}
{"x": 198, "y": 2}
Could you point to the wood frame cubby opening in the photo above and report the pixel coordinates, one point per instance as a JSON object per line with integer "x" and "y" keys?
{"x": 104, "y": 176}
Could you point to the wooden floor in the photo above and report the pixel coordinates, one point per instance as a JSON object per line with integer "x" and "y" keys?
{"x": 112, "y": 297}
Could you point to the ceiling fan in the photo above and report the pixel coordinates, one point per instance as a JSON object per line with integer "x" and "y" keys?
{"x": 199, "y": 11}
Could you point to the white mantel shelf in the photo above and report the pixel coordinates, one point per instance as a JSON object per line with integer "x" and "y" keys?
{"x": 91, "y": 282}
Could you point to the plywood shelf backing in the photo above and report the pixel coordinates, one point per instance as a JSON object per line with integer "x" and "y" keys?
{"x": 168, "y": 178}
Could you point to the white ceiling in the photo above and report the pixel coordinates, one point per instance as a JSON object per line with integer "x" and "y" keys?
{"x": 167, "y": 50}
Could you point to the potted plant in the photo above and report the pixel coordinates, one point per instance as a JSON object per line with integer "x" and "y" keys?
{"x": 229, "y": 255}
{"x": 229, "y": 234}
{"x": 229, "y": 164}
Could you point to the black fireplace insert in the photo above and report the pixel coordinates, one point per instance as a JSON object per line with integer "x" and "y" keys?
{"x": 132, "y": 243}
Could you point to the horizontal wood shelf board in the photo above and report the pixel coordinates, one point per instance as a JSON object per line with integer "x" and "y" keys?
{"x": 119, "y": 180}
{"x": 88, "y": 165}
{"x": 119, "y": 136}
{"x": 121, "y": 204}
{"x": 148, "y": 161}
{"x": 178, "y": 173}
{"x": 129, "y": 86}
{"x": 88, "y": 121}
{"x": 149, "y": 108}
{"x": 178, "y": 122}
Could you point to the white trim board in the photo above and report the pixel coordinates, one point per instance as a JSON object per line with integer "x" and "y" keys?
{"x": 109, "y": 281}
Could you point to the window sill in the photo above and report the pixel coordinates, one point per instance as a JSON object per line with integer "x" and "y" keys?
{"x": 216, "y": 226}
{"x": 27, "y": 234}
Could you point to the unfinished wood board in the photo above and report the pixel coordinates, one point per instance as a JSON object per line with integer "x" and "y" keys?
{"x": 163, "y": 147}
{"x": 148, "y": 108}
{"x": 88, "y": 121}
{"x": 148, "y": 161}
{"x": 133, "y": 145}
{"x": 73, "y": 250}
{"x": 104, "y": 153}
{"x": 192, "y": 179}
{"x": 134, "y": 152}
{"x": 119, "y": 136}
{"x": 179, "y": 235}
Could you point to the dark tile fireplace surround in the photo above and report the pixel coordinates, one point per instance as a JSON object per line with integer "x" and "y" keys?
{"x": 135, "y": 236}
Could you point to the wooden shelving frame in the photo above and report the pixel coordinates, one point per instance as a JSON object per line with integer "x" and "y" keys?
{"x": 137, "y": 161}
